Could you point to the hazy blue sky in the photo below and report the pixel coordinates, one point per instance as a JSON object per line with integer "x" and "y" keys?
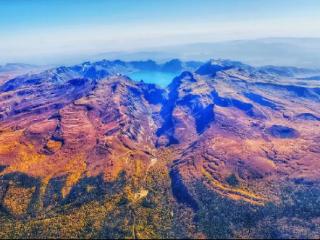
{"x": 37, "y": 29}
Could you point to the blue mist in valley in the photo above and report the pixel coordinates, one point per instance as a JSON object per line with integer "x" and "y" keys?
{"x": 162, "y": 79}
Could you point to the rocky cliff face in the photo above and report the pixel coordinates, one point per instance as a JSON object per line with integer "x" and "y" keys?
{"x": 219, "y": 147}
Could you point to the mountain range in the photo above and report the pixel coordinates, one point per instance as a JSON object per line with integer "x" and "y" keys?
{"x": 226, "y": 150}
{"x": 299, "y": 52}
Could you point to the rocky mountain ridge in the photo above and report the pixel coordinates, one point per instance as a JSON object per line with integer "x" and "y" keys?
{"x": 75, "y": 136}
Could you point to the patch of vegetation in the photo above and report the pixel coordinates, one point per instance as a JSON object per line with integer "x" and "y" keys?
{"x": 98, "y": 209}
{"x": 297, "y": 215}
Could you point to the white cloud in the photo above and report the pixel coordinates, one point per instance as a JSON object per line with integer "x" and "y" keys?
{"x": 43, "y": 44}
